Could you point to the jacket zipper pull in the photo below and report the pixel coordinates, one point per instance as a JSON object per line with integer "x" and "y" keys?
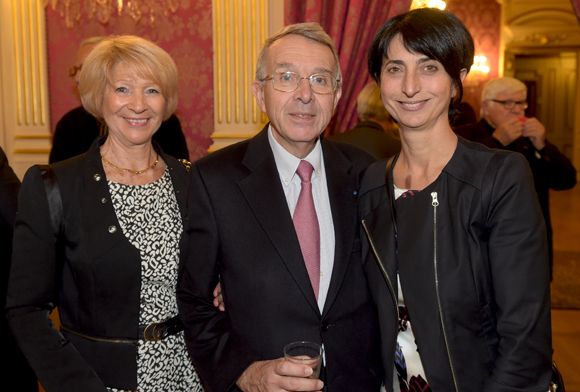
{"x": 434, "y": 201}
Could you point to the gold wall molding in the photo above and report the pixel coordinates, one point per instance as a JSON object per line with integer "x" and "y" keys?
{"x": 29, "y": 61}
{"x": 24, "y": 119}
{"x": 31, "y": 151}
{"x": 240, "y": 27}
{"x": 232, "y": 136}
{"x": 33, "y": 137}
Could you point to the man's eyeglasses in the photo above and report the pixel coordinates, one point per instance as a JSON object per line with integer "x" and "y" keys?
{"x": 73, "y": 71}
{"x": 289, "y": 81}
{"x": 509, "y": 104}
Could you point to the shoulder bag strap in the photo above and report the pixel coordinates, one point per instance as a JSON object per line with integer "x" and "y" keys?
{"x": 54, "y": 200}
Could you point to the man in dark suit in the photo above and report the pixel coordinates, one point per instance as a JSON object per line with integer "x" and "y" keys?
{"x": 375, "y": 133}
{"x": 503, "y": 125}
{"x": 16, "y": 373}
{"x": 249, "y": 212}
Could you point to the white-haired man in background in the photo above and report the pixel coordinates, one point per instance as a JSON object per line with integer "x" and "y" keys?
{"x": 503, "y": 125}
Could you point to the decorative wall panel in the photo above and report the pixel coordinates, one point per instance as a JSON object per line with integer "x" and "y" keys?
{"x": 483, "y": 20}
{"x": 186, "y": 35}
{"x": 24, "y": 122}
{"x": 240, "y": 28}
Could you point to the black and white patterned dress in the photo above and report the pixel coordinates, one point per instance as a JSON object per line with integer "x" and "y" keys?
{"x": 150, "y": 219}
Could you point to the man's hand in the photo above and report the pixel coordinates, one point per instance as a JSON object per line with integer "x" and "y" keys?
{"x": 509, "y": 131}
{"x": 218, "y": 300}
{"x": 278, "y": 375}
{"x": 536, "y": 132}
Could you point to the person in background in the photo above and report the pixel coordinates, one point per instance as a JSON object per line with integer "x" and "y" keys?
{"x": 16, "y": 373}
{"x": 503, "y": 125}
{"x": 455, "y": 242}
{"x": 465, "y": 115}
{"x": 259, "y": 211}
{"x": 375, "y": 133}
{"x": 77, "y": 129}
{"x": 111, "y": 267}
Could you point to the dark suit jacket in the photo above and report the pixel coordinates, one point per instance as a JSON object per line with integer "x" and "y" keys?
{"x": 553, "y": 170}
{"x": 95, "y": 283}
{"x": 76, "y": 131}
{"x": 369, "y": 136}
{"x": 9, "y": 186}
{"x": 16, "y": 374}
{"x": 240, "y": 230}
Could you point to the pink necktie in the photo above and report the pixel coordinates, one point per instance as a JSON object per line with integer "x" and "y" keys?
{"x": 306, "y": 225}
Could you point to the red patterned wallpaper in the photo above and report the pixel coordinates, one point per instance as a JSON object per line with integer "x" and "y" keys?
{"x": 185, "y": 35}
{"x": 483, "y": 19}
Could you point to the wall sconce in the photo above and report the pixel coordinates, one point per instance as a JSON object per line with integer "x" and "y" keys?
{"x": 480, "y": 65}
{"x": 428, "y": 4}
{"x": 479, "y": 71}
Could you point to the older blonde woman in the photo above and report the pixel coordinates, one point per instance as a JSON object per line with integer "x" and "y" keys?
{"x": 111, "y": 266}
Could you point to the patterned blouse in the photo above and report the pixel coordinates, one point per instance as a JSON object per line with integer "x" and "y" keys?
{"x": 150, "y": 219}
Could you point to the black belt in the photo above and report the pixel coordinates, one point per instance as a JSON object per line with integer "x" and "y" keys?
{"x": 151, "y": 332}
{"x": 158, "y": 331}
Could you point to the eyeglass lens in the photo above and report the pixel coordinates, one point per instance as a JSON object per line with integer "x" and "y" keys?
{"x": 509, "y": 104}
{"x": 289, "y": 81}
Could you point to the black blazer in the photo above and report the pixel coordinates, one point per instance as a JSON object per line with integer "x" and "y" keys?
{"x": 240, "y": 231}
{"x": 473, "y": 268}
{"x": 95, "y": 281}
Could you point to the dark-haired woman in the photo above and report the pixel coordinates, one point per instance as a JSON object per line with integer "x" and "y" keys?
{"x": 455, "y": 244}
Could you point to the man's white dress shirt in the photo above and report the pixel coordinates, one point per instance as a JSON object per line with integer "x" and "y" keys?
{"x": 287, "y": 164}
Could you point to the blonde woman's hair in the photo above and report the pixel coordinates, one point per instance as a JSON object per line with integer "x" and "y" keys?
{"x": 311, "y": 31}
{"x": 140, "y": 56}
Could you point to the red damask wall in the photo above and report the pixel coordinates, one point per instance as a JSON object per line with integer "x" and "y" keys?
{"x": 185, "y": 35}
{"x": 483, "y": 19}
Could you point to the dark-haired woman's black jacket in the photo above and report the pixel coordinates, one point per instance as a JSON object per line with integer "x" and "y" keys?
{"x": 473, "y": 264}
{"x": 95, "y": 283}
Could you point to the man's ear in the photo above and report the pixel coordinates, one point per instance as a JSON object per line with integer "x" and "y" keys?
{"x": 337, "y": 95}
{"x": 258, "y": 91}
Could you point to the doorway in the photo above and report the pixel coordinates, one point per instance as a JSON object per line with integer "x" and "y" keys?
{"x": 551, "y": 81}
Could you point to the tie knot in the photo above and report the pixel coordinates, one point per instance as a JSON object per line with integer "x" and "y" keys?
{"x": 304, "y": 171}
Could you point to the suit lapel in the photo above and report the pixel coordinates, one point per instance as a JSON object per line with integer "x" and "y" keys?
{"x": 342, "y": 185}
{"x": 263, "y": 191}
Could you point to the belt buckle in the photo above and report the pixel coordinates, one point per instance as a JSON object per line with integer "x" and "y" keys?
{"x": 157, "y": 334}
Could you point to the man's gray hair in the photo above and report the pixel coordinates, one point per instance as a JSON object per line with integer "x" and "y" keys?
{"x": 507, "y": 85}
{"x": 311, "y": 31}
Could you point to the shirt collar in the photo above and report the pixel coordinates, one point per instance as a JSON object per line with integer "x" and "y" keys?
{"x": 288, "y": 163}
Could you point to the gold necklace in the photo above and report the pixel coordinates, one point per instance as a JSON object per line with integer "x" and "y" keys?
{"x": 129, "y": 170}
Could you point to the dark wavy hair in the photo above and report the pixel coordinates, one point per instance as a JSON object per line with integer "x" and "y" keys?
{"x": 439, "y": 35}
